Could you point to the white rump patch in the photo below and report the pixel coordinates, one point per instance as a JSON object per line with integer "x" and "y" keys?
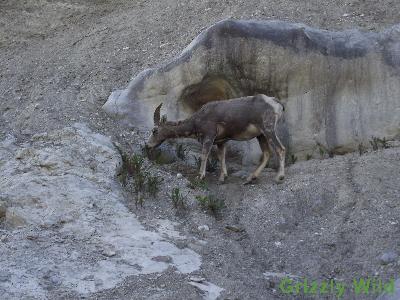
{"x": 278, "y": 109}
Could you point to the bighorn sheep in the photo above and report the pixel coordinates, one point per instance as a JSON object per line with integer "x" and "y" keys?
{"x": 219, "y": 121}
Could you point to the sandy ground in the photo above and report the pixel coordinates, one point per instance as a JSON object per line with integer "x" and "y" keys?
{"x": 60, "y": 60}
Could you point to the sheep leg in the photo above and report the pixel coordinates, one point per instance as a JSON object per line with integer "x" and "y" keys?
{"x": 266, "y": 153}
{"x": 269, "y": 130}
{"x": 221, "y": 157}
{"x": 207, "y": 144}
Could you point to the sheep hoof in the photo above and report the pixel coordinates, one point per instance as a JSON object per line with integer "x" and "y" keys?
{"x": 280, "y": 178}
{"x": 250, "y": 180}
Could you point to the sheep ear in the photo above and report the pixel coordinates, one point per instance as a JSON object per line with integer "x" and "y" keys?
{"x": 163, "y": 119}
{"x": 156, "y": 116}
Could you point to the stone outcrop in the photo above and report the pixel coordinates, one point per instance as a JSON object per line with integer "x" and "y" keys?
{"x": 339, "y": 88}
{"x": 63, "y": 225}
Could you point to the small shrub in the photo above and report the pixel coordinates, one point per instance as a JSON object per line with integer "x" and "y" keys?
{"x": 321, "y": 151}
{"x": 156, "y": 156}
{"x": 384, "y": 143}
{"x": 212, "y": 163}
{"x": 374, "y": 142}
{"x": 135, "y": 164}
{"x": 178, "y": 200}
{"x": 153, "y": 185}
{"x": 131, "y": 166}
{"x": 324, "y": 150}
{"x": 292, "y": 159}
{"x": 198, "y": 184}
{"x": 308, "y": 156}
{"x": 211, "y": 203}
{"x": 124, "y": 168}
{"x": 139, "y": 181}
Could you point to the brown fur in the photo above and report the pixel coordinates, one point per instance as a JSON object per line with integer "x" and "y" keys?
{"x": 220, "y": 121}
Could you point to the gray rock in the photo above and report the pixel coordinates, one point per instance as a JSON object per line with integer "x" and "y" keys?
{"x": 241, "y": 174}
{"x": 55, "y": 193}
{"x": 388, "y": 257}
{"x": 162, "y": 258}
{"x": 197, "y": 279}
{"x": 203, "y": 228}
{"x": 165, "y": 154}
{"x": 329, "y": 81}
{"x": 109, "y": 253}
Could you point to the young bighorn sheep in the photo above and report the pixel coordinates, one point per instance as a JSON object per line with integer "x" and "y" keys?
{"x": 220, "y": 121}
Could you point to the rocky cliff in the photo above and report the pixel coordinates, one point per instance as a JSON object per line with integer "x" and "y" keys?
{"x": 339, "y": 88}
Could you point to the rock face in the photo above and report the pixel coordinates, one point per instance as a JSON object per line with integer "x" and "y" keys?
{"x": 63, "y": 227}
{"x": 339, "y": 88}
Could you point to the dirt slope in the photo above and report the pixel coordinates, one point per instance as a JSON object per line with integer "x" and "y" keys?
{"x": 332, "y": 218}
{"x": 61, "y": 59}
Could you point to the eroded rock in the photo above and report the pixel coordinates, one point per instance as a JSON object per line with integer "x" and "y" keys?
{"x": 339, "y": 88}
{"x": 56, "y": 237}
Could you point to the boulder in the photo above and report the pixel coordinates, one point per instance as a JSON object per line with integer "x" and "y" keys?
{"x": 339, "y": 88}
{"x": 64, "y": 225}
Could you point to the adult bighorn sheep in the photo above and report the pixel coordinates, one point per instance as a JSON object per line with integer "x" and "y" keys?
{"x": 220, "y": 121}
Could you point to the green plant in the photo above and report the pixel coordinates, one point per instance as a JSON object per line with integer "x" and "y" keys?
{"x": 211, "y": 203}
{"x": 292, "y": 159}
{"x": 321, "y": 151}
{"x": 374, "y": 142}
{"x": 178, "y": 200}
{"x": 384, "y": 143}
{"x": 324, "y": 150}
{"x": 197, "y": 183}
{"x": 212, "y": 164}
{"x": 131, "y": 166}
{"x": 153, "y": 185}
{"x": 135, "y": 164}
{"x": 181, "y": 151}
{"x": 123, "y": 176}
{"x": 139, "y": 181}
{"x": 308, "y": 156}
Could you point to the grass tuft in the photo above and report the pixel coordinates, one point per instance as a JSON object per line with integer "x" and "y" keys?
{"x": 197, "y": 184}
{"x": 153, "y": 185}
{"x": 211, "y": 203}
{"x": 140, "y": 182}
{"x": 292, "y": 159}
{"x": 177, "y": 198}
